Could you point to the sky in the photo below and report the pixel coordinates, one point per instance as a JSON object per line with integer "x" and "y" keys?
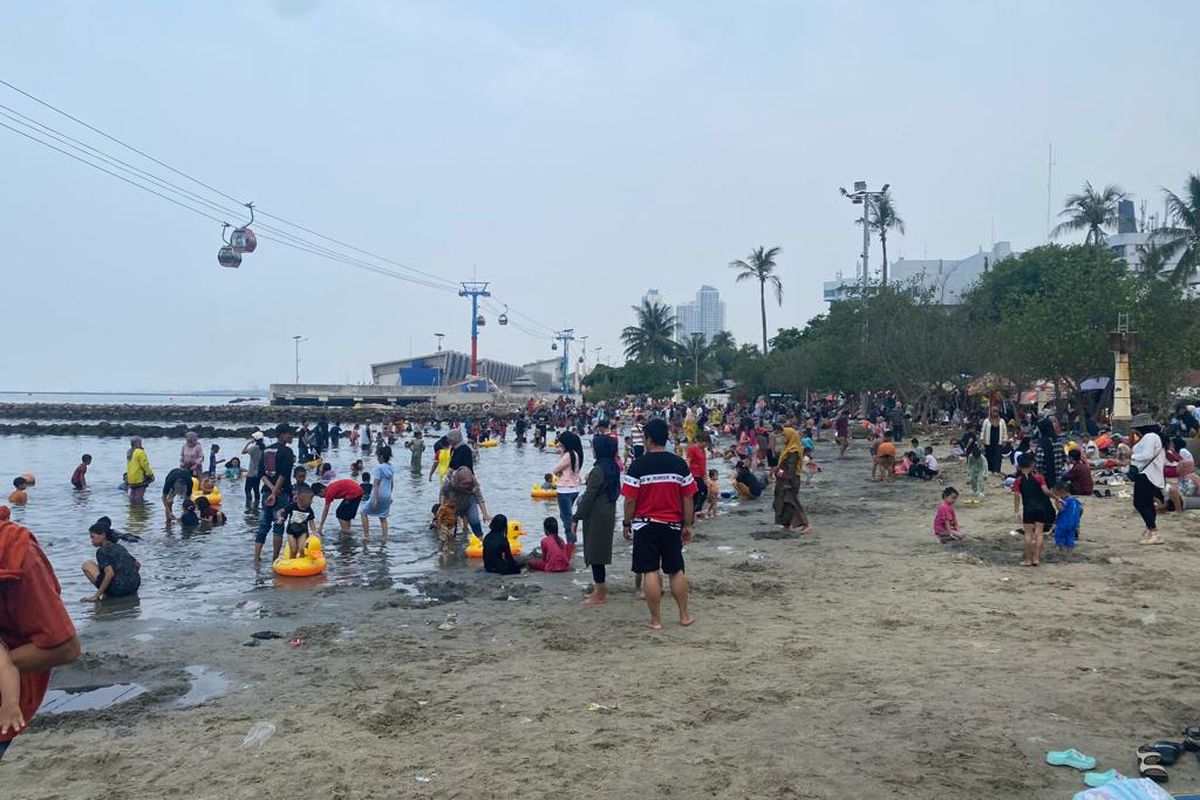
{"x": 574, "y": 154}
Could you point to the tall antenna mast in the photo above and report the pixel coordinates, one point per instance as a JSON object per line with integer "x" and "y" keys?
{"x": 1049, "y": 190}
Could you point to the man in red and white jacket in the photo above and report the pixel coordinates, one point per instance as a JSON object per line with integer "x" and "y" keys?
{"x": 658, "y": 489}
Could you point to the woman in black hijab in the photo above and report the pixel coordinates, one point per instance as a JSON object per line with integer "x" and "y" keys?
{"x": 597, "y": 510}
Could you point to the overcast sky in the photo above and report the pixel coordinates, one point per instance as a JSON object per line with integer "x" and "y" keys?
{"x": 573, "y": 153}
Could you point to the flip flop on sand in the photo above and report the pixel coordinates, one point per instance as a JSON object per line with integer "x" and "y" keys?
{"x": 1072, "y": 758}
{"x": 1098, "y": 779}
{"x": 1191, "y": 739}
{"x": 1150, "y": 764}
{"x": 1170, "y": 751}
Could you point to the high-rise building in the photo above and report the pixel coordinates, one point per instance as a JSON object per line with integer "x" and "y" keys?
{"x": 653, "y": 298}
{"x": 704, "y": 315}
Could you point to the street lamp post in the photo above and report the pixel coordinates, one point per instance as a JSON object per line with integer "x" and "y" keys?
{"x": 298, "y": 339}
{"x": 861, "y": 196}
{"x": 696, "y": 339}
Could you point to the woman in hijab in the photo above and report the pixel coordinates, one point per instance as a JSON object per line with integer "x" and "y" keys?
{"x": 191, "y": 455}
{"x": 1146, "y": 468}
{"x": 137, "y": 471}
{"x": 460, "y": 451}
{"x": 567, "y": 473}
{"x": 1051, "y": 459}
{"x": 789, "y": 513}
{"x": 461, "y": 490}
{"x": 597, "y": 510}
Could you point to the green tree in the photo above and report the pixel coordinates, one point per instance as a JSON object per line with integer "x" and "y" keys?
{"x": 787, "y": 339}
{"x": 882, "y": 219}
{"x": 1182, "y": 235}
{"x": 1167, "y": 334}
{"x": 1090, "y": 211}
{"x": 760, "y": 266}
{"x": 724, "y": 352}
{"x": 652, "y": 338}
{"x": 693, "y": 356}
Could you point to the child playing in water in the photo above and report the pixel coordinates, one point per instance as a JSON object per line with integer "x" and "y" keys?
{"x": 19, "y": 496}
{"x": 299, "y": 479}
{"x": 208, "y": 513}
{"x": 547, "y": 481}
{"x": 367, "y": 485}
{"x": 1066, "y": 522}
{"x": 356, "y": 468}
{"x": 79, "y": 476}
{"x": 714, "y": 494}
{"x": 945, "y": 521}
{"x": 233, "y": 469}
{"x": 554, "y": 557}
{"x": 299, "y": 519}
{"x": 12, "y": 721}
{"x": 213, "y": 460}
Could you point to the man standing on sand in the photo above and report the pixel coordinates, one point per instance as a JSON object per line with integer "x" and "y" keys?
{"x": 658, "y": 489}
{"x": 34, "y": 625}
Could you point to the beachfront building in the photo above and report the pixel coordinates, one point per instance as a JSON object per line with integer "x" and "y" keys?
{"x": 443, "y": 368}
{"x": 1129, "y": 244}
{"x": 704, "y": 315}
{"x": 946, "y": 280}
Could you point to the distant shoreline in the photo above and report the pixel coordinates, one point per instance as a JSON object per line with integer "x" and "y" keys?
{"x": 200, "y": 393}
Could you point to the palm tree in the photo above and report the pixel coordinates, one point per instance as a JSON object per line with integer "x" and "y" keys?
{"x": 652, "y": 339}
{"x": 1153, "y": 257}
{"x": 1183, "y": 234}
{"x": 1090, "y": 211}
{"x": 693, "y": 353}
{"x": 760, "y": 266}
{"x": 883, "y": 218}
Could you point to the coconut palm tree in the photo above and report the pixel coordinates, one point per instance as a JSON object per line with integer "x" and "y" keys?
{"x": 694, "y": 354}
{"x": 1090, "y": 211}
{"x": 1153, "y": 257}
{"x": 883, "y": 218}
{"x": 652, "y": 339}
{"x": 1182, "y": 235}
{"x": 760, "y": 266}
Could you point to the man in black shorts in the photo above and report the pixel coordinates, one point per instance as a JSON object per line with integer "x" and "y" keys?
{"x": 178, "y": 484}
{"x": 658, "y": 489}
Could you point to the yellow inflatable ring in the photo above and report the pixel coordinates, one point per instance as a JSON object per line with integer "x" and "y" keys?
{"x": 311, "y": 563}
{"x": 539, "y": 493}
{"x": 213, "y": 497}
{"x": 474, "y": 547}
{"x": 489, "y": 443}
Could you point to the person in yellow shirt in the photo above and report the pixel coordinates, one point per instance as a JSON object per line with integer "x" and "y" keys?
{"x": 138, "y": 473}
{"x": 441, "y": 460}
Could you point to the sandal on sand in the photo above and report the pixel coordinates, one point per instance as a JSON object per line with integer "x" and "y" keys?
{"x": 1150, "y": 764}
{"x": 1170, "y": 751}
{"x": 1098, "y": 779}
{"x": 1191, "y": 739}
{"x": 1074, "y": 759}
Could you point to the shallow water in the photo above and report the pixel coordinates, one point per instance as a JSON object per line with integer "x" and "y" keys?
{"x": 186, "y": 575}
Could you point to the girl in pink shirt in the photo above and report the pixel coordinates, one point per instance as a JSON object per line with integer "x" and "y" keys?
{"x": 554, "y": 550}
{"x": 945, "y": 521}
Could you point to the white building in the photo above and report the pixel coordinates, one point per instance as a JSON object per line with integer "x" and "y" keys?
{"x": 653, "y": 298}
{"x": 1128, "y": 244}
{"x": 704, "y": 315}
{"x": 947, "y": 280}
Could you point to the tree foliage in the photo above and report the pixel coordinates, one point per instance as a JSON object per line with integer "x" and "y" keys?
{"x": 652, "y": 338}
{"x": 760, "y": 266}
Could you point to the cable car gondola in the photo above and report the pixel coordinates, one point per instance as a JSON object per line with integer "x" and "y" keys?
{"x": 503, "y": 318}
{"x": 243, "y": 239}
{"x": 228, "y": 256}
{"x": 480, "y": 321}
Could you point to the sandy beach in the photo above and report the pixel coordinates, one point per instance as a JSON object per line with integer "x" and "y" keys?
{"x": 863, "y": 660}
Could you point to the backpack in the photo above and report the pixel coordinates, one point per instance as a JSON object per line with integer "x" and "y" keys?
{"x": 269, "y": 457}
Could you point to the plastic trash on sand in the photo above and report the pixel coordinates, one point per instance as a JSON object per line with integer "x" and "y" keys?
{"x": 1131, "y": 789}
{"x": 258, "y": 735}
{"x": 600, "y": 709}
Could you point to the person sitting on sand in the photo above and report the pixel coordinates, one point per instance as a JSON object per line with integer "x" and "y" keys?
{"x": 1070, "y": 514}
{"x": 1079, "y": 475}
{"x": 1123, "y": 451}
{"x": 497, "y": 555}
{"x": 553, "y": 556}
{"x": 299, "y": 517}
{"x": 945, "y": 521}
{"x": 114, "y": 573}
{"x": 79, "y": 476}
{"x": 346, "y": 490}
{"x": 19, "y": 496}
{"x": 1185, "y": 494}
{"x": 748, "y": 486}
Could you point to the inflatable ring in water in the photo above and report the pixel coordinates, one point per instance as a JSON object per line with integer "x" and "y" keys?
{"x": 311, "y": 563}
{"x": 537, "y": 492}
{"x": 474, "y": 547}
{"x": 213, "y": 497}
{"x": 489, "y": 443}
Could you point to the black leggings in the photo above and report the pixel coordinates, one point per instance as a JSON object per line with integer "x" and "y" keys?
{"x": 1144, "y": 494}
{"x": 992, "y": 454}
{"x": 252, "y": 489}
{"x": 598, "y": 573}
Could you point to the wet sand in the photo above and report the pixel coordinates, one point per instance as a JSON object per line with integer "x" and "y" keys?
{"x": 863, "y": 660}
